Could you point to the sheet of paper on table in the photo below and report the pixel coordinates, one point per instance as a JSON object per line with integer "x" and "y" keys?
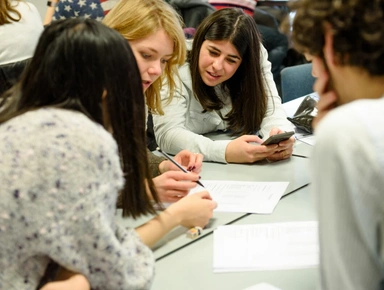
{"x": 244, "y": 196}
{"x": 262, "y": 286}
{"x": 261, "y": 247}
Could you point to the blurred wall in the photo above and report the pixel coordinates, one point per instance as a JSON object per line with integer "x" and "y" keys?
{"x": 41, "y": 5}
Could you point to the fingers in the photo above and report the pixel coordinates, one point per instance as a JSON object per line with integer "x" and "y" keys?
{"x": 287, "y": 143}
{"x": 195, "y": 162}
{"x": 204, "y": 194}
{"x": 280, "y": 155}
{"x": 181, "y": 176}
{"x": 321, "y": 84}
{"x": 327, "y": 102}
{"x": 191, "y": 161}
{"x": 275, "y": 131}
{"x": 251, "y": 138}
{"x": 173, "y": 198}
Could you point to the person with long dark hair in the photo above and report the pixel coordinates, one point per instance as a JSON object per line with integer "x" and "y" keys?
{"x": 70, "y": 140}
{"x": 227, "y": 84}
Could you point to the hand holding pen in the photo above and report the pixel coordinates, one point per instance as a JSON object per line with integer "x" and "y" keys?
{"x": 179, "y": 166}
{"x": 203, "y": 199}
{"x": 192, "y": 162}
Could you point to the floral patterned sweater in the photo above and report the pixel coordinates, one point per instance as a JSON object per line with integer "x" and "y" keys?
{"x": 59, "y": 178}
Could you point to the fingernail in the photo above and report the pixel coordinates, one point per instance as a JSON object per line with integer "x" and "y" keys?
{"x": 190, "y": 168}
{"x": 199, "y": 177}
{"x": 193, "y": 168}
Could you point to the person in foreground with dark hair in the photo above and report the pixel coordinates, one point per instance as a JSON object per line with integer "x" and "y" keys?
{"x": 345, "y": 41}
{"x": 70, "y": 140}
{"x": 227, "y": 84}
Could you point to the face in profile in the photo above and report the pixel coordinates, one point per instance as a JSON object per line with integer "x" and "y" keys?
{"x": 152, "y": 54}
{"x": 318, "y": 66}
{"x": 218, "y": 61}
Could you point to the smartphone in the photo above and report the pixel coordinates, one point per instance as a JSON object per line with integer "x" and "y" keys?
{"x": 276, "y": 139}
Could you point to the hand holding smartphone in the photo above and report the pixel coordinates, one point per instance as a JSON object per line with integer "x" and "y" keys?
{"x": 276, "y": 139}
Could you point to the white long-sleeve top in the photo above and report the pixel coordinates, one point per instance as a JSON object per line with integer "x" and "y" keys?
{"x": 19, "y": 38}
{"x": 183, "y": 124}
{"x": 348, "y": 184}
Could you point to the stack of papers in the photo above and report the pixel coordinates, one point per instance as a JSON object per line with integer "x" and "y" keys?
{"x": 244, "y": 196}
{"x": 272, "y": 246}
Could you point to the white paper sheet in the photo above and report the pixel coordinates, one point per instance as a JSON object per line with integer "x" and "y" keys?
{"x": 244, "y": 196}
{"x": 272, "y": 246}
{"x": 262, "y": 286}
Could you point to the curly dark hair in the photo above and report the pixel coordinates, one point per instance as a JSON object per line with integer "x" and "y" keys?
{"x": 357, "y": 25}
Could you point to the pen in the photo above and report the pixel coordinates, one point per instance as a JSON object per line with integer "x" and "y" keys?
{"x": 177, "y": 164}
{"x": 302, "y": 156}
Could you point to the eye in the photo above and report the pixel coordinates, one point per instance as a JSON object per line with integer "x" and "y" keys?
{"x": 213, "y": 53}
{"x": 231, "y": 60}
{"x": 164, "y": 61}
{"x": 145, "y": 55}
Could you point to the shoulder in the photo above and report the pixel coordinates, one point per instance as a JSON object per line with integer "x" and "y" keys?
{"x": 23, "y": 6}
{"x": 356, "y": 126}
{"x": 185, "y": 72}
{"x": 350, "y": 117}
{"x": 49, "y": 126}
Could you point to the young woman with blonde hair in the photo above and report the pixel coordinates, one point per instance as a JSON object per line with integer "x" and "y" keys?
{"x": 154, "y": 31}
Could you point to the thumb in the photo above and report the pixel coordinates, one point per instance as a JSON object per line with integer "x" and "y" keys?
{"x": 275, "y": 131}
{"x": 251, "y": 138}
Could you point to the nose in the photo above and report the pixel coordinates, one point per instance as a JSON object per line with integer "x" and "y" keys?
{"x": 217, "y": 64}
{"x": 155, "y": 68}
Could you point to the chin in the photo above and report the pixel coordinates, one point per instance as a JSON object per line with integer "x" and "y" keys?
{"x": 209, "y": 83}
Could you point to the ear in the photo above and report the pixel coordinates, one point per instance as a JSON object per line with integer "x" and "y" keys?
{"x": 328, "y": 51}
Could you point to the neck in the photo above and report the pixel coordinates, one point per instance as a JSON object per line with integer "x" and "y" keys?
{"x": 358, "y": 84}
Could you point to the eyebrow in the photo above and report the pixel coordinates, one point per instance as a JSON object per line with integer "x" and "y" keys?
{"x": 155, "y": 51}
{"x": 230, "y": 55}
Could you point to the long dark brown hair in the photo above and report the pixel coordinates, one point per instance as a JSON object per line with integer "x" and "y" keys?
{"x": 5, "y": 12}
{"x": 72, "y": 68}
{"x": 246, "y": 87}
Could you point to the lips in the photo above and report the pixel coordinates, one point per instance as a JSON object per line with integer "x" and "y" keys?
{"x": 212, "y": 77}
{"x": 213, "y": 74}
{"x": 146, "y": 84}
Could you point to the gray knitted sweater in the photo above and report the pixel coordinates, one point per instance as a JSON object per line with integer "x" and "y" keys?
{"x": 59, "y": 177}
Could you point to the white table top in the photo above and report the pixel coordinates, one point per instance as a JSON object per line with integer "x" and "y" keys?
{"x": 191, "y": 267}
{"x": 295, "y": 170}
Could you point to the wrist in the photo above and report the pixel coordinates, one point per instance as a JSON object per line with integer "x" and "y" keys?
{"x": 51, "y": 3}
{"x": 174, "y": 214}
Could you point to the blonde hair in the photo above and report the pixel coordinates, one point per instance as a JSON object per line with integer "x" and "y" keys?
{"x": 6, "y": 9}
{"x": 137, "y": 19}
